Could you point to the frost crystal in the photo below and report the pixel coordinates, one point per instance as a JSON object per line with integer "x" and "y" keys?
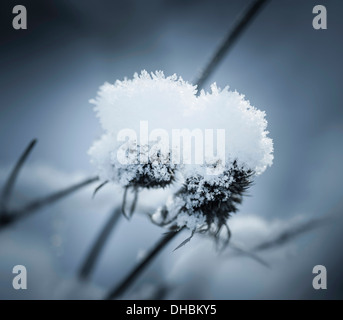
{"x": 160, "y": 100}
{"x": 246, "y": 140}
{"x": 204, "y": 204}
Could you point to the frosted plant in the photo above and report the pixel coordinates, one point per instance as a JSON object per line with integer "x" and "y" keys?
{"x": 210, "y": 191}
{"x": 156, "y": 172}
{"x": 205, "y": 201}
{"x": 160, "y": 101}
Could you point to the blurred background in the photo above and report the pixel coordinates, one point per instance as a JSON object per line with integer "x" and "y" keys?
{"x": 283, "y": 66}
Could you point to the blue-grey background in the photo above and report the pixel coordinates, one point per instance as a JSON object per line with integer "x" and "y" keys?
{"x": 282, "y": 65}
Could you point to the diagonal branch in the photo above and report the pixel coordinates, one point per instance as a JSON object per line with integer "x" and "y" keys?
{"x": 15, "y": 215}
{"x": 138, "y": 269}
{"x": 292, "y": 233}
{"x": 241, "y": 24}
{"x": 8, "y": 188}
{"x": 243, "y": 252}
{"x": 284, "y": 237}
{"x": 96, "y": 249}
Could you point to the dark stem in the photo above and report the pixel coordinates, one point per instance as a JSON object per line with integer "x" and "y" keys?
{"x": 123, "y": 205}
{"x": 8, "y": 188}
{"x": 241, "y": 23}
{"x": 133, "y": 204}
{"x": 99, "y": 187}
{"x": 242, "y": 252}
{"x": 94, "y": 253}
{"x": 15, "y": 215}
{"x": 137, "y": 270}
{"x": 292, "y": 233}
{"x": 284, "y": 237}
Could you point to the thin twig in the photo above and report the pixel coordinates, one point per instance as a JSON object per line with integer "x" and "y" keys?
{"x": 284, "y": 237}
{"x": 240, "y": 251}
{"x": 99, "y": 187}
{"x": 184, "y": 242}
{"x": 91, "y": 259}
{"x": 133, "y": 204}
{"x": 125, "y": 284}
{"x": 241, "y": 23}
{"x": 123, "y": 205}
{"x": 8, "y": 188}
{"x": 94, "y": 253}
{"x": 15, "y": 215}
{"x": 292, "y": 233}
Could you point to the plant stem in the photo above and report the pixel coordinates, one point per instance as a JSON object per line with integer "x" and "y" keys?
{"x": 293, "y": 232}
{"x": 136, "y": 271}
{"x": 8, "y": 188}
{"x": 12, "y": 216}
{"x": 93, "y": 255}
{"x": 241, "y": 23}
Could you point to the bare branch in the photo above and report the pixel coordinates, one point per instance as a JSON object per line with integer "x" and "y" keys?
{"x": 241, "y": 24}
{"x": 133, "y": 204}
{"x": 96, "y": 249}
{"x": 250, "y": 254}
{"x": 16, "y": 215}
{"x": 283, "y": 238}
{"x": 99, "y": 187}
{"x": 8, "y": 188}
{"x": 292, "y": 233}
{"x": 137, "y": 270}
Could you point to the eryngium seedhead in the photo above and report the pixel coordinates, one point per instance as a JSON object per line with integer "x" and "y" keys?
{"x": 156, "y": 172}
{"x": 215, "y": 199}
{"x": 131, "y": 165}
{"x": 203, "y": 204}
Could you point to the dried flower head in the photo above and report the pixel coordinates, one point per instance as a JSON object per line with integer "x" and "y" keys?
{"x": 160, "y": 101}
{"x": 126, "y": 168}
{"x": 129, "y": 170}
{"x": 206, "y": 201}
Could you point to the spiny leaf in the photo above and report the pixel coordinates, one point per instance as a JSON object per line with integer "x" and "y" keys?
{"x": 185, "y": 241}
{"x": 98, "y": 188}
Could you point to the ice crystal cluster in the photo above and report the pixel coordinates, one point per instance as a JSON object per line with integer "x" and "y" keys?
{"x": 157, "y": 172}
{"x": 209, "y": 192}
{"x": 159, "y": 100}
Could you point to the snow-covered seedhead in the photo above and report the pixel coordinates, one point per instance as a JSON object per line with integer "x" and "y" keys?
{"x": 121, "y": 108}
{"x": 157, "y": 172}
{"x": 204, "y": 203}
{"x": 132, "y": 165}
